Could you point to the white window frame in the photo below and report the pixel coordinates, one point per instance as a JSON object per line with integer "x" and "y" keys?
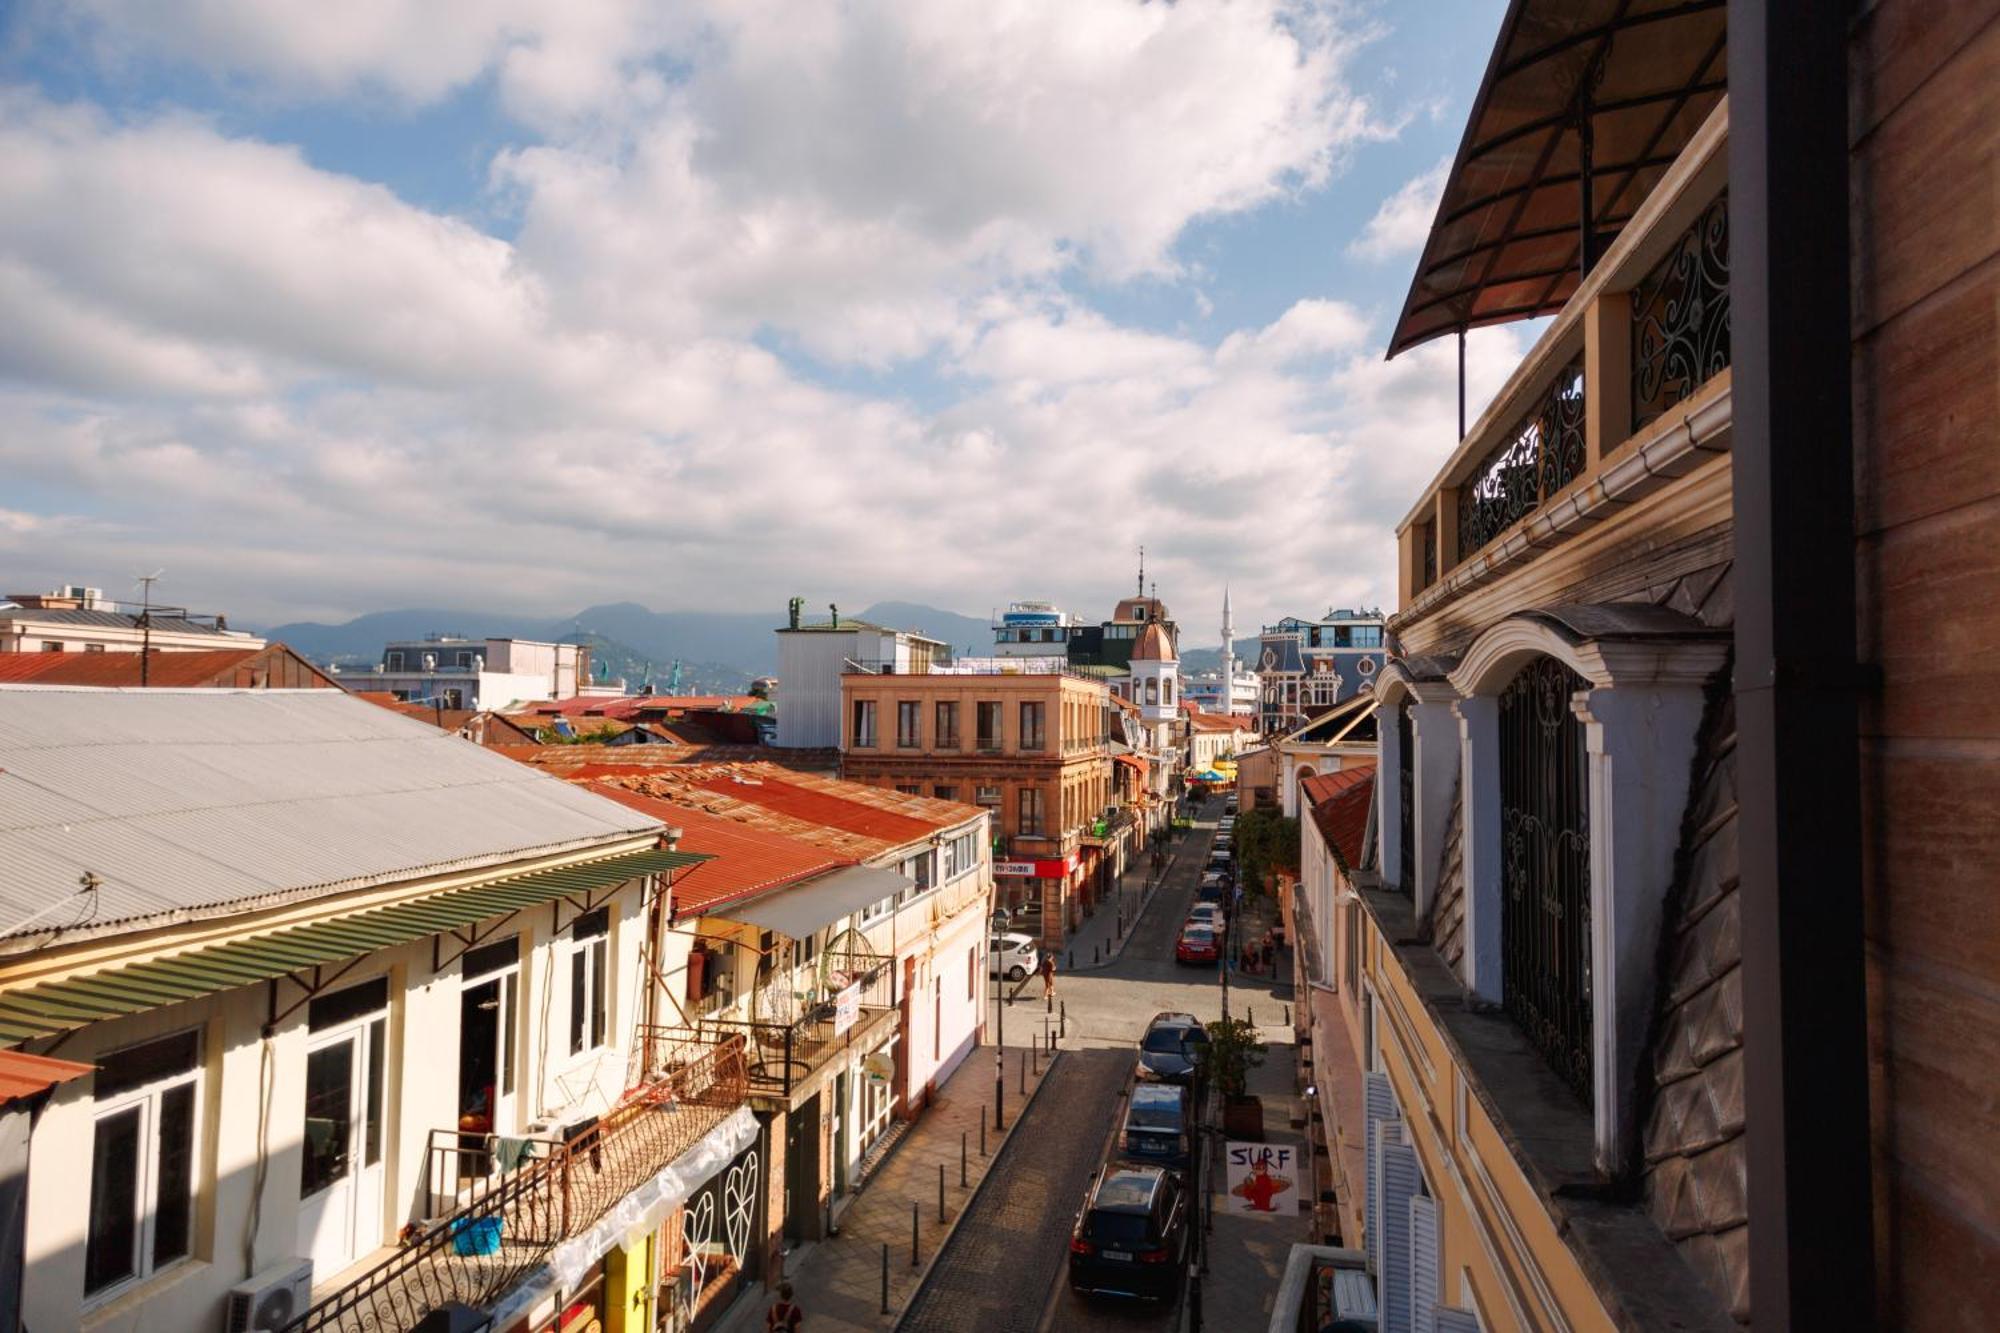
{"x": 594, "y": 951}
{"x": 147, "y": 1097}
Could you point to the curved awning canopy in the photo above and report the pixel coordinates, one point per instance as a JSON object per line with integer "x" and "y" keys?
{"x": 1640, "y": 75}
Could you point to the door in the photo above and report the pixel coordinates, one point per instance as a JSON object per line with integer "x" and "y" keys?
{"x": 341, "y": 1176}
{"x": 842, "y": 1114}
{"x": 486, "y": 1054}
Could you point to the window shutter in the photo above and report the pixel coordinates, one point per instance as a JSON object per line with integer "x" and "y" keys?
{"x": 1424, "y": 1263}
{"x": 1456, "y": 1321}
{"x": 1401, "y": 1179}
{"x": 1379, "y": 1106}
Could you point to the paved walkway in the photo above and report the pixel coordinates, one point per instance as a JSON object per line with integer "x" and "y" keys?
{"x": 838, "y": 1282}
{"x": 1245, "y": 1255}
{"x": 1102, "y": 938}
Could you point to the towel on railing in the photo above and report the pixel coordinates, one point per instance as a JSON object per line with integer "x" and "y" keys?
{"x": 510, "y": 1153}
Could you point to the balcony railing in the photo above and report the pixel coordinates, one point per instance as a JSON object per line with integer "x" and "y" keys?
{"x": 782, "y": 1057}
{"x": 504, "y": 1224}
{"x": 1646, "y": 331}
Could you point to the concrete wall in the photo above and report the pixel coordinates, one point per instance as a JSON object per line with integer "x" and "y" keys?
{"x": 243, "y": 1074}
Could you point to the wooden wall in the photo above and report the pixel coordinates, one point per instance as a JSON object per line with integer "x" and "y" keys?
{"x": 1925, "y": 134}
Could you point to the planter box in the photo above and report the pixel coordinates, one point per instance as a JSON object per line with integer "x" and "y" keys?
{"x": 1243, "y": 1118}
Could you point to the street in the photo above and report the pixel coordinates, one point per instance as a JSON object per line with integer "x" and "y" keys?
{"x": 1006, "y": 1265}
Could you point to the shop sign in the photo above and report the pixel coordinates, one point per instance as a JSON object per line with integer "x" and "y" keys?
{"x": 1036, "y": 869}
{"x": 879, "y": 1067}
{"x": 846, "y": 1008}
{"x": 1260, "y": 1176}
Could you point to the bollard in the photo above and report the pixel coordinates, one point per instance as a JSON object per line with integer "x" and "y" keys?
{"x": 1250, "y": 1015}
{"x": 982, "y": 1136}
{"x": 1093, "y": 955}
{"x": 885, "y": 1277}
{"x": 1288, "y": 1015}
{"x": 1024, "y": 1073}
{"x": 913, "y": 1233}
{"x": 940, "y": 1193}
{"x": 961, "y": 1156}
{"x": 1071, "y": 965}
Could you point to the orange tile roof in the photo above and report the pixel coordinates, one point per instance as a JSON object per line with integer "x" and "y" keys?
{"x": 846, "y": 817}
{"x": 1340, "y": 803}
{"x": 748, "y": 860}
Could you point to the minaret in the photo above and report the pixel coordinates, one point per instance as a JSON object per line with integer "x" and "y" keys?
{"x": 1228, "y": 657}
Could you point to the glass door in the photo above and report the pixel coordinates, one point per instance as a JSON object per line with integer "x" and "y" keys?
{"x": 341, "y": 1172}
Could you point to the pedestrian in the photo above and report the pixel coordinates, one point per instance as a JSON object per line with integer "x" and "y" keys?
{"x": 1048, "y": 976}
{"x": 784, "y": 1316}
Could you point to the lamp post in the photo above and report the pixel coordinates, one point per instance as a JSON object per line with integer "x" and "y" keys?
{"x": 997, "y": 923}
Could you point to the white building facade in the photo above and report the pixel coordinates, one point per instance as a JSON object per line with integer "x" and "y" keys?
{"x": 76, "y": 619}
{"x": 813, "y": 657}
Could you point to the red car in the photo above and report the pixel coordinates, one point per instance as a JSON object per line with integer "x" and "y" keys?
{"x": 1197, "y": 945}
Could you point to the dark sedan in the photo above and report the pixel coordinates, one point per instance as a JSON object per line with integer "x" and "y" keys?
{"x": 1170, "y": 1048}
{"x": 1131, "y": 1238}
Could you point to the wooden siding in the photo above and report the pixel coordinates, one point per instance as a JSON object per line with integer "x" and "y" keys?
{"x": 1925, "y": 130}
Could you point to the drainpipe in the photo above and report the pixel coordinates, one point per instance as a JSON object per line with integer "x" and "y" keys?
{"x": 1798, "y": 770}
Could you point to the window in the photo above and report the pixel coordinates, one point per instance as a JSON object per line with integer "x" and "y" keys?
{"x": 944, "y": 726}
{"x": 395, "y": 662}
{"x": 1034, "y": 726}
{"x": 909, "y": 789}
{"x": 142, "y": 1161}
{"x": 1167, "y": 690}
{"x": 51, "y": 646}
{"x": 862, "y": 734}
{"x": 988, "y": 722}
{"x": 907, "y": 726}
{"x": 918, "y": 870}
{"x": 1152, "y": 691}
{"x": 589, "y": 963}
{"x": 945, "y": 793}
{"x": 93, "y": 647}
{"x": 988, "y": 799}
{"x": 1031, "y": 812}
{"x": 1545, "y": 875}
{"x": 971, "y": 971}
{"x": 464, "y": 659}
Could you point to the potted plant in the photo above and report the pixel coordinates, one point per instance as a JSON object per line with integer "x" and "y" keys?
{"x": 1232, "y": 1052}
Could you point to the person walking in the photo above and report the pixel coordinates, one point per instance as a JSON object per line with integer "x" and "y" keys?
{"x": 784, "y": 1316}
{"x": 1048, "y": 971}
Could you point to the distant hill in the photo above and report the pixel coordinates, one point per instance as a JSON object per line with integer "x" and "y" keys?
{"x": 717, "y": 649}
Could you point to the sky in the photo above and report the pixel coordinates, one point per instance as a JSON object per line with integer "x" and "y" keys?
{"x": 483, "y": 304}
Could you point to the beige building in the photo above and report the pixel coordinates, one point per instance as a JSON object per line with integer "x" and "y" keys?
{"x": 1029, "y": 746}
{"x": 75, "y": 619}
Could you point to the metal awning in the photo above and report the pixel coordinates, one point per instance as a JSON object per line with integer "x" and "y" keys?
{"x": 798, "y": 912}
{"x": 1585, "y": 104}
{"x": 58, "y": 1006}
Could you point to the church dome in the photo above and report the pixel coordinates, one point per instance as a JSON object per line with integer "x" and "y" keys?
{"x": 1153, "y": 646}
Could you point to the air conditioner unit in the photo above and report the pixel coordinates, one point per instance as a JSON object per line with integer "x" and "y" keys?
{"x": 272, "y": 1299}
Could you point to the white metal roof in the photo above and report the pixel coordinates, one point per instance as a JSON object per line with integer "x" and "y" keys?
{"x": 797, "y": 911}
{"x": 193, "y": 802}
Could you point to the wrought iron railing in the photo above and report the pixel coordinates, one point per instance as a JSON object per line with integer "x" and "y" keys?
{"x": 1542, "y": 454}
{"x": 1680, "y": 317}
{"x": 782, "y": 1056}
{"x": 1545, "y": 867}
{"x": 512, "y": 1220}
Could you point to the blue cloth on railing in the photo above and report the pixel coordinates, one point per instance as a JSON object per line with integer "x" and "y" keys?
{"x": 472, "y": 1236}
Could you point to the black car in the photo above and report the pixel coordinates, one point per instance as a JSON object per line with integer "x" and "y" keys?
{"x": 1131, "y": 1238}
{"x": 1156, "y": 1126}
{"x": 1168, "y": 1051}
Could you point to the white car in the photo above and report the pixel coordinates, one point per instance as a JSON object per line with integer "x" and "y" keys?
{"x": 1012, "y": 956}
{"x": 1207, "y": 914}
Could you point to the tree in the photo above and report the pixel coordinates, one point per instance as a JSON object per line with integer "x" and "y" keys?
{"x": 1232, "y": 1052}
{"x": 1265, "y": 841}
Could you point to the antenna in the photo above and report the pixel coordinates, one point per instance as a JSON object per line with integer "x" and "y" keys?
{"x": 1142, "y": 571}
{"x": 146, "y": 582}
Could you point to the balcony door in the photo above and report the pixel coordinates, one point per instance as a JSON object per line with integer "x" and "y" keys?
{"x": 488, "y": 1006}
{"x": 341, "y": 1173}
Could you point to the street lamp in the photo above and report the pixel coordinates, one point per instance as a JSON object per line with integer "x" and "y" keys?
{"x": 996, "y": 924}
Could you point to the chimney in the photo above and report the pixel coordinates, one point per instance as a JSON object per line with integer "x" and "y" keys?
{"x": 835, "y": 608}
{"x": 796, "y": 607}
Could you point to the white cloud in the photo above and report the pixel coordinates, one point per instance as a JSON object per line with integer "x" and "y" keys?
{"x": 300, "y": 391}
{"x": 1404, "y": 218}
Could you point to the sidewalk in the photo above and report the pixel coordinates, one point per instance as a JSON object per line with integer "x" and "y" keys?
{"x": 1245, "y": 1255}
{"x": 838, "y": 1281}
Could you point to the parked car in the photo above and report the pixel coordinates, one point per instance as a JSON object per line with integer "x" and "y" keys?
{"x": 1012, "y": 956}
{"x": 1156, "y": 1126}
{"x": 1205, "y": 914}
{"x": 1197, "y": 944}
{"x": 1131, "y": 1237}
{"x": 1212, "y": 889}
{"x": 1168, "y": 1051}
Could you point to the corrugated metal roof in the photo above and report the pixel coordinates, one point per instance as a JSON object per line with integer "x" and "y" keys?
{"x": 1340, "y": 802}
{"x": 746, "y": 860}
{"x": 191, "y": 802}
{"x": 24, "y": 1075}
{"x": 108, "y": 620}
{"x": 40, "y": 1011}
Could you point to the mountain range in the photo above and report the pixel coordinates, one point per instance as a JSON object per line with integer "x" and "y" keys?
{"x": 718, "y": 650}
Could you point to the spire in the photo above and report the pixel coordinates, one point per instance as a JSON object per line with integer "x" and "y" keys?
{"x": 1142, "y": 571}
{"x": 1228, "y": 657}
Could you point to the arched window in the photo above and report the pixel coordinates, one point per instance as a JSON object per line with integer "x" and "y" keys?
{"x": 1152, "y": 690}
{"x": 1167, "y": 690}
{"x": 1545, "y": 866}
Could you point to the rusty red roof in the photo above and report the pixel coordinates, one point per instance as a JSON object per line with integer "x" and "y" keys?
{"x": 207, "y": 668}
{"x": 24, "y": 1075}
{"x": 1340, "y": 803}
{"x": 748, "y": 860}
